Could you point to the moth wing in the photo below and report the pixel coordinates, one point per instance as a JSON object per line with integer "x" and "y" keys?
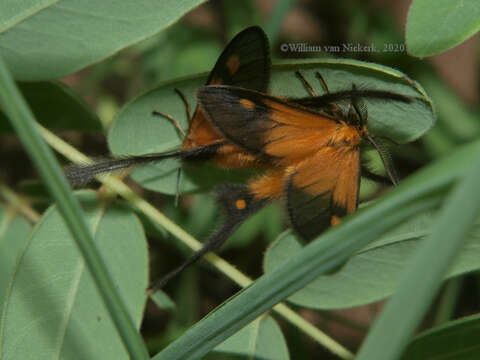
{"x": 245, "y": 62}
{"x": 266, "y": 125}
{"x": 323, "y": 189}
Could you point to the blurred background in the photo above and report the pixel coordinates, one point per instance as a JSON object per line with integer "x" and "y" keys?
{"x": 191, "y": 46}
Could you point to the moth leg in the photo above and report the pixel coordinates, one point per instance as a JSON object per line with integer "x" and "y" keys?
{"x": 306, "y": 84}
{"x": 333, "y": 108}
{"x": 182, "y": 132}
{"x": 170, "y": 117}
{"x": 177, "y": 186}
{"x": 323, "y": 83}
{"x": 172, "y": 120}
{"x": 187, "y": 104}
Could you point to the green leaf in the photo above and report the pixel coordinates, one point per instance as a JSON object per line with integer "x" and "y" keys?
{"x": 434, "y": 26}
{"x": 460, "y": 120}
{"x": 455, "y": 340}
{"x": 14, "y": 11}
{"x": 372, "y": 273}
{"x": 417, "y": 194}
{"x": 136, "y": 131}
{"x": 22, "y": 120}
{"x": 53, "y": 306}
{"x": 56, "y": 106}
{"x": 14, "y": 232}
{"x": 261, "y": 339}
{"x": 427, "y": 268}
{"x": 51, "y": 39}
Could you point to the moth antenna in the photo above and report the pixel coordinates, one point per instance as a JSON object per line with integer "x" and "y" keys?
{"x": 214, "y": 242}
{"x": 237, "y": 203}
{"x": 79, "y": 175}
{"x": 386, "y": 159}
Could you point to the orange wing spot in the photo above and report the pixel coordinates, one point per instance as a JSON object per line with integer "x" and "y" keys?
{"x": 335, "y": 220}
{"x": 247, "y": 103}
{"x": 240, "y": 204}
{"x": 233, "y": 63}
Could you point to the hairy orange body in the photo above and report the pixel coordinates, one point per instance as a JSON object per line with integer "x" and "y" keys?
{"x": 314, "y": 156}
{"x": 321, "y": 154}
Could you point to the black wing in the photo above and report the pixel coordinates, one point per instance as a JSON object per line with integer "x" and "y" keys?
{"x": 245, "y": 62}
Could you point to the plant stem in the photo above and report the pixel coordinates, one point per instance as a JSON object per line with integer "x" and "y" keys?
{"x": 223, "y": 266}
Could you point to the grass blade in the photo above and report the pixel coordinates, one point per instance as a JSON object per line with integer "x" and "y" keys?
{"x": 23, "y": 122}
{"x": 424, "y": 276}
{"x": 419, "y": 193}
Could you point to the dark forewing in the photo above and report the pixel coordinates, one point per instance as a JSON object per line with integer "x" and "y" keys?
{"x": 264, "y": 124}
{"x": 245, "y": 62}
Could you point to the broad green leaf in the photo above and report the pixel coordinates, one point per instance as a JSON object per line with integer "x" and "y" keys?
{"x": 51, "y": 39}
{"x": 417, "y": 194}
{"x": 56, "y": 106}
{"x": 455, "y": 340}
{"x": 23, "y": 121}
{"x": 372, "y": 273}
{"x": 14, "y": 232}
{"x": 136, "y": 131}
{"x": 434, "y": 26}
{"x": 53, "y": 308}
{"x": 14, "y": 11}
{"x": 460, "y": 120}
{"x": 422, "y": 279}
{"x": 261, "y": 339}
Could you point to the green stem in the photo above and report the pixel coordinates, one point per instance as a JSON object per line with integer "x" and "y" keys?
{"x": 21, "y": 118}
{"x": 19, "y": 203}
{"x": 224, "y": 267}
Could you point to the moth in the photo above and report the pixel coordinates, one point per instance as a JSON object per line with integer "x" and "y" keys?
{"x": 245, "y": 62}
{"x": 230, "y": 130}
{"x": 315, "y": 152}
{"x": 313, "y": 155}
